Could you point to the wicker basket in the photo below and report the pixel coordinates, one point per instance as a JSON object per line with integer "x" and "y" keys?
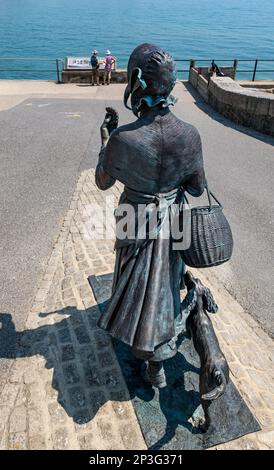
{"x": 211, "y": 236}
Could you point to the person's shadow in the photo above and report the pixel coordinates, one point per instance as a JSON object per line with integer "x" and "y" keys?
{"x": 86, "y": 373}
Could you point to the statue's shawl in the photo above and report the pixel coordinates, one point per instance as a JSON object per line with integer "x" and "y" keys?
{"x": 155, "y": 154}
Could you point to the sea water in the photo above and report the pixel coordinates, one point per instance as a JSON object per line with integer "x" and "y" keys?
{"x": 198, "y": 29}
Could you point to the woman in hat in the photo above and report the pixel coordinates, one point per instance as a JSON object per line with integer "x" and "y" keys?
{"x": 109, "y": 61}
{"x": 154, "y": 157}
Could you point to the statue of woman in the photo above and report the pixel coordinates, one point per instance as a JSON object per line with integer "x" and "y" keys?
{"x": 155, "y": 157}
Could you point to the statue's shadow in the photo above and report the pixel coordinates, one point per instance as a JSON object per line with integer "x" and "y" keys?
{"x": 162, "y": 411}
{"x": 86, "y": 374}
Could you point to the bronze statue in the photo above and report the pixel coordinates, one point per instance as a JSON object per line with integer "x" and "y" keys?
{"x": 156, "y": 157}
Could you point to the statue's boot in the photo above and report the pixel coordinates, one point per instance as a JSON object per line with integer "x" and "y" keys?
{"x": 154, "y": 373}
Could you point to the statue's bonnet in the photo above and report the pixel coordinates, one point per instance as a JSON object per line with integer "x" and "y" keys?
{"x": 151, "y": 78}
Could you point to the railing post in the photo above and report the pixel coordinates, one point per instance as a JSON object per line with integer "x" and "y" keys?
{"x": 192, "y": 63}
{"x": 235, "y": 65}
{"x": 255, "y": 70}
{"x": 57, "y": 71}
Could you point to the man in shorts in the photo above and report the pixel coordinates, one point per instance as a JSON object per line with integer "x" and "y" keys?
{"x": 95, "y": 68}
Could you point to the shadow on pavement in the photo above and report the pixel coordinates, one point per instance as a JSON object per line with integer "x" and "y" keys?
{"x": 86, "y": 374}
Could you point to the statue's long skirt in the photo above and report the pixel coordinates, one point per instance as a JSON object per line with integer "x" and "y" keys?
{"x": 146, "y": 295}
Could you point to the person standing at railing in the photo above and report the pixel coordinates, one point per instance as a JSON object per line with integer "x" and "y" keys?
{"x": 95, "y": 68}
{"x": 109, "y": 61}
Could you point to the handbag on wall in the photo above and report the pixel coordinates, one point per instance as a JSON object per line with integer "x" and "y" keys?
{"x": 211, "y": 236}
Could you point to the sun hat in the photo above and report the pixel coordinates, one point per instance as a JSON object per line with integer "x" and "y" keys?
{"x": 95, "y": 52}
{"x": 108, "y": 52}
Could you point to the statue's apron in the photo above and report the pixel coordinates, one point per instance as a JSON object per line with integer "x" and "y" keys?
{"x": 145, "y": 300}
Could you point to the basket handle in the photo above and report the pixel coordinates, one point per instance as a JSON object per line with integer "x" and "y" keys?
{"x": 209, "y": 195}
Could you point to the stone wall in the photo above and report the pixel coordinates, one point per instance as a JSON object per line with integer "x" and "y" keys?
{"x": 202, "y": 84}
{"x": 199, "y": 82}
{"x": 84, "y": 76}
{"x": 249, "y": 107}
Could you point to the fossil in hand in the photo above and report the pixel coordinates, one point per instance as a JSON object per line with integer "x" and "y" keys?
{"x": 111, "y": 119}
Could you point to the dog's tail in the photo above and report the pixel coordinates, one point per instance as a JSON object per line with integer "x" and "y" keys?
{"x": 220, "y": 381}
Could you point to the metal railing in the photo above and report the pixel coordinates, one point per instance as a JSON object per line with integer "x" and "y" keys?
{"x": 57, "y": 65}
{"x": 234, "y": 63}
{"x": 54, "y": 66}
{"x": 187, "y": 61}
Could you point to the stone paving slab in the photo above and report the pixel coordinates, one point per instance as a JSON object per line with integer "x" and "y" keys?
{"x": 65, "y": 389}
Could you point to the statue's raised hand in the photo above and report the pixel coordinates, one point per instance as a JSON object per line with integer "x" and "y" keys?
{"x": 110, "y": 123}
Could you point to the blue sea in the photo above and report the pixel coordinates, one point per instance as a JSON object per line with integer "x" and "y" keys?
{"x": 198, "y": 29}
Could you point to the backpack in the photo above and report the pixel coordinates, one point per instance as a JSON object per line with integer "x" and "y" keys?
{"x": 94, "y": 61}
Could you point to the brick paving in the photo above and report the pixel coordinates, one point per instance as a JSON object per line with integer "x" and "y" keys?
{"x": 65, "y": 388}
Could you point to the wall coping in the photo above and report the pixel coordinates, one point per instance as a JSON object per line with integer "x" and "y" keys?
{"x": 227, "y": 84}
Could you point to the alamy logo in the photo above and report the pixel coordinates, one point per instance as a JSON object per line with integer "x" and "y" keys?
{"x": 138, "y": 223}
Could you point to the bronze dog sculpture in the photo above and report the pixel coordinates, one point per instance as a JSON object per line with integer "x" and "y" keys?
{"x": 214, "y": 374}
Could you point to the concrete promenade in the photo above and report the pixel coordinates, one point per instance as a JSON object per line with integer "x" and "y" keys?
{"x": 60, "y": 384}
